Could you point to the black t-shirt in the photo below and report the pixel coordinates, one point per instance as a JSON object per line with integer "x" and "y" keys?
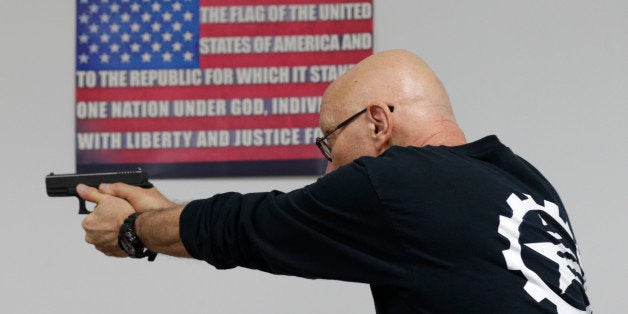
{"x": 466, "y": 229}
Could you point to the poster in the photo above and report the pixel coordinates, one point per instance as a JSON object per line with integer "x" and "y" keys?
{"x": 201, "y": 88}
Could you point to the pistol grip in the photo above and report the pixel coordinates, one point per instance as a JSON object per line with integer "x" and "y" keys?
{"x": 82, "y": 208}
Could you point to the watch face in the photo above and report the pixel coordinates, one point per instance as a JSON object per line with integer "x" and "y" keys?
{"x": 129, "y": 234}
{"x": 127, "y": 246}
{"x": 128, "y": 240}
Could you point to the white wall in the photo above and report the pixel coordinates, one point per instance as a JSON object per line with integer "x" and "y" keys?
{"x": 549, "y": 77}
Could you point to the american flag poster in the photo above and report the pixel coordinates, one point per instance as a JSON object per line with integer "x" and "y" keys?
{"x": 200, "y": 88}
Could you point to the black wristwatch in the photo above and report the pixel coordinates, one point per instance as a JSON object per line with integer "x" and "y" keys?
{"x": 130, "y": 243}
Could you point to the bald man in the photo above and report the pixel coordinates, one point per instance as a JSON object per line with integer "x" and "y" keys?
{"x": 434, "y": 224}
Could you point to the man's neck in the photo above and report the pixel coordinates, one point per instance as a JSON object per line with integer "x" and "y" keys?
{"x": 447, "y": 134}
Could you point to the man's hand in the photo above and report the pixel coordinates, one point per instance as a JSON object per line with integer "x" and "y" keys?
{"x": 141, "y": 199}
{"x": 103, "y": 224}
{"x": 115, "y": 202}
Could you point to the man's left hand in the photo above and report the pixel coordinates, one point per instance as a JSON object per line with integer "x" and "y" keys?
{"x": 103, "y": 224}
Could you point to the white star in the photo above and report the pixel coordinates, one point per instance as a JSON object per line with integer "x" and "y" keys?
{"x": 83, "y": 38}
{"x": 166, "y": 36}
{"x": 188, "y": 56}
{"x": 104, "y": 18}
{"x": 166, "y": 17}
{"x": 156, "y": 47}
{"x": 93, "y": 28}
{"x": 115, "y": 8}
{"x": 84, "y": 1}
{"x": 115, "y": 48}
{"x": 176, "y": 26}
{"x": 93, "y": 48}
{"x": 146, "y": 57}
{"x": 176, "y": 6}
{"x": 125, "y": 58}
{"x": 125, "y": 17}
{"x": 83, "y": 58}
{"x": 125, "y": 38}
{"x": 156, "y": 7}
{"x": 135, "y": 27}
{"x": 146, "y": 17}
{"x": 135, "y": 7}
{"x": 84, "y": 18}
{"x": 135, "y": 47}
{"x": 146, "y": 37}
{"x": 104, "y": 38}
{"x": 156, "y": 27}
{"x": 188, "y": 36}
{"x": 125, "y": 1}
{"x": 167, "y": 57}
{"x": 93, "y": 8}
{"x": 114, "y": 28}
{"x": 104, "y": 1}
{"x": 176, "y": 46}
{"x": 104, "y": 58}
{"x": 188, "y": 16}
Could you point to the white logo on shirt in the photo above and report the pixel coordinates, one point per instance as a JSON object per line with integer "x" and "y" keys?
{"x": 567, "y": 260}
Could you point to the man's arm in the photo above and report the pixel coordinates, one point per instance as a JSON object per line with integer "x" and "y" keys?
{"x": 336, "y": 228}
{"x": 159, "y": 231}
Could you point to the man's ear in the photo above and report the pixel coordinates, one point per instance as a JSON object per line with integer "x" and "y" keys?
{"x": 381, "y": 118}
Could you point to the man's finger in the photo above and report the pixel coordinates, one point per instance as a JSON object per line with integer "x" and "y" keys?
{"x": 142, "y": 199}
{"x": 89, "y": 193}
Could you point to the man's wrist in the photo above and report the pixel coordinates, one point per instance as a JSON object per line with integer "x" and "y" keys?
{"x": 159, "y": 230}
{"x": 130, "y": 241}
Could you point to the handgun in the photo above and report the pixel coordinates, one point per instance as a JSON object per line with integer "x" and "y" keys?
{"x": 65, "y": 184}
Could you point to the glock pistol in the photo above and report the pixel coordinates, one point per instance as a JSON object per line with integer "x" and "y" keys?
{"x": 65, "y": 184}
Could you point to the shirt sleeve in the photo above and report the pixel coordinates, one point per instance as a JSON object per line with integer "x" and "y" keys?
{"x": 335, "y": 228}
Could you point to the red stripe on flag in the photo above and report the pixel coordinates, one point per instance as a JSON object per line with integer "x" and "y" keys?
{"x": 200, "y": 92}
{"x": 286, "y": 28}
{"x": 209, "y": 3}
{"x": 282, "y": 59}
{"x": 214, "y": 154}
{"x": 197, "y": 124}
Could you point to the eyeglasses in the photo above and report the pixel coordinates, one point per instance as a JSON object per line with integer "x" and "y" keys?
{"x": 321, "y": 142}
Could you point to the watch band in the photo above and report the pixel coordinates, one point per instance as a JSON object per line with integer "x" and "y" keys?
{"x": 130, "y": 243}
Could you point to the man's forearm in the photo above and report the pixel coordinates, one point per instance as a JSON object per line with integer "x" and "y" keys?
{"x": 159, "y": 231}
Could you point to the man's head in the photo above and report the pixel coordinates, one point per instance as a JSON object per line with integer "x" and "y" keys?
{"x": 398, "y": 79}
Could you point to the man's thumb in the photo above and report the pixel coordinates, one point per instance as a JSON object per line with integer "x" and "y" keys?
{"x": 120, "y": 190}
{"x": 89, "y": 193}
